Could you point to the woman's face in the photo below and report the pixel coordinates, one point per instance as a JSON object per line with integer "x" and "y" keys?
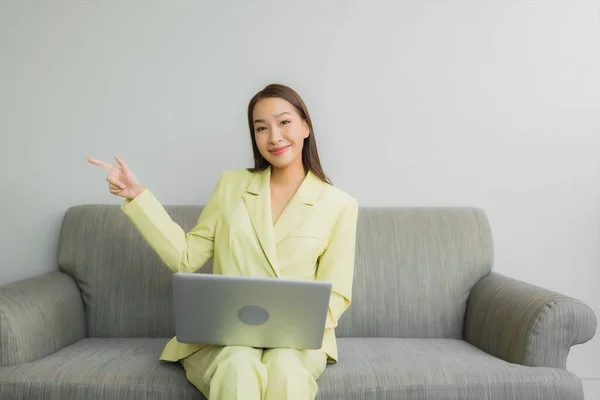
{"x": 279, "y": 132}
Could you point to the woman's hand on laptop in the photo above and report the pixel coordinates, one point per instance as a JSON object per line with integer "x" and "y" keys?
{"x": 121, "y": 181}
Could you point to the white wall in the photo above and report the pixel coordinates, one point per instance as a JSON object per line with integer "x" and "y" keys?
{"x": 492, "y": 104}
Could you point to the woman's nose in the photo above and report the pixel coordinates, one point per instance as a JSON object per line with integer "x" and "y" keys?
{"x": 275, "y": 136}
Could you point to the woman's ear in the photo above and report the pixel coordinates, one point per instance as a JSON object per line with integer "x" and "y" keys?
{"x": 306, "y": 128}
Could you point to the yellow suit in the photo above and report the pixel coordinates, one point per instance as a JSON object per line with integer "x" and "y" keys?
{"x": 313, "y": 238}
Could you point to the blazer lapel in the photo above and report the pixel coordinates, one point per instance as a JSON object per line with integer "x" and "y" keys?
{"x": 258, "y": 204}
{"x": 300, "y": 207}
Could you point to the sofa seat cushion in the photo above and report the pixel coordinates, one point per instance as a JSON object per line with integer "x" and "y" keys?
{"x": 93, "y": 369}
{"x": 385, "y": 368}
{"x": 369, "y": 369}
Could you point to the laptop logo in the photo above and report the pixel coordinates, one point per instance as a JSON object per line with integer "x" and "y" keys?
{"x": 253, "y": 315}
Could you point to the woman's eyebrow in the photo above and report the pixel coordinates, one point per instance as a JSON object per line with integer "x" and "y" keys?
{"x": 276, "y": 116}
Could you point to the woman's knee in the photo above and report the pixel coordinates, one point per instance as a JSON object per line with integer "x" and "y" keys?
{"x": 289, "y": 376}
{"x": 239, "y": 359}
{"x": 218, "y": 362}
{"x": 293, "y": 361}
{"x": 240, "y": 353}
{"x": 283, "y": 360}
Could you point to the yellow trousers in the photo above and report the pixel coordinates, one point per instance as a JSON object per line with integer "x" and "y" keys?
{"x": 246, "y": 373}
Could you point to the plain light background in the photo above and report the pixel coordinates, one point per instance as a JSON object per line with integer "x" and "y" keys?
{"x": 492, "y": 104}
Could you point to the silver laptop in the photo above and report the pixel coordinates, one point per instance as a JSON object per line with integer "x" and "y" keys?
{"x": 250, "y": 311}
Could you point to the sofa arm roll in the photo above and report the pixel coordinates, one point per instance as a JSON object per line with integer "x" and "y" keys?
{"x": 525, "y": 324}
{"x": 39, "y": 316}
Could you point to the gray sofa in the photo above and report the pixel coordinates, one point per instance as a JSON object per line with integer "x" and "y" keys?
{"x": 429, "y": 319}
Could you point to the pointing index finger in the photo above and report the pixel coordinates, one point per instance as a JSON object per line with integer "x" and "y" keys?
{"x": 100, "y": 163}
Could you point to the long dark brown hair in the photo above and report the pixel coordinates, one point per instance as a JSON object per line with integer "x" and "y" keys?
{"x": 310, "y": 155}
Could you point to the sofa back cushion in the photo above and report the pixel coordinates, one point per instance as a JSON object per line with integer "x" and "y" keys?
{"x": 414, "y": 270}
{"x": 126, "y": 288}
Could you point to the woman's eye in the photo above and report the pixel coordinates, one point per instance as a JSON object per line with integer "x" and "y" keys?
{"x": 260, "y": 128}
{"x": 286, "y": 121}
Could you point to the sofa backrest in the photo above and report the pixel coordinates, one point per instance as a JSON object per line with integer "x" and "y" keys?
{"x": 414, "y": 270}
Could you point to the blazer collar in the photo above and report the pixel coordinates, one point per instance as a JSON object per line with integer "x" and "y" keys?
{"x": 308, "y": 193}
{"x": 258, "y": 203}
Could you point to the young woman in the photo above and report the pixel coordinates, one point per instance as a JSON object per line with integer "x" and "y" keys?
{"x": 282, "y": 218}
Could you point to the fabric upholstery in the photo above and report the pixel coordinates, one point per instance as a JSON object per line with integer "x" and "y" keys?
{"x": 126, "y": 288}
{"x": 39, "y": 316}
{"x": 369, "y": 368}
{"x": 437, "y": 369}
{"x": 526, "y": 324}
{"x": 94, "y": 369}
{"x": 414, "y": 270}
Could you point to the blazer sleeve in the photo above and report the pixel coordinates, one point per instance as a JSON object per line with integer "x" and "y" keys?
{"x": 180, "y": 251}
{"x": 336, "y": 264}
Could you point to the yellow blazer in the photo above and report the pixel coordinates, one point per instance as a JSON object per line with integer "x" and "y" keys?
{"x": 314, "y": 238}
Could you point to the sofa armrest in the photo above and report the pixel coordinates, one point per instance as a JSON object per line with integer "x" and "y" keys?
{"x": 39, "y": 316}
{"x": 525, "y": 324}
